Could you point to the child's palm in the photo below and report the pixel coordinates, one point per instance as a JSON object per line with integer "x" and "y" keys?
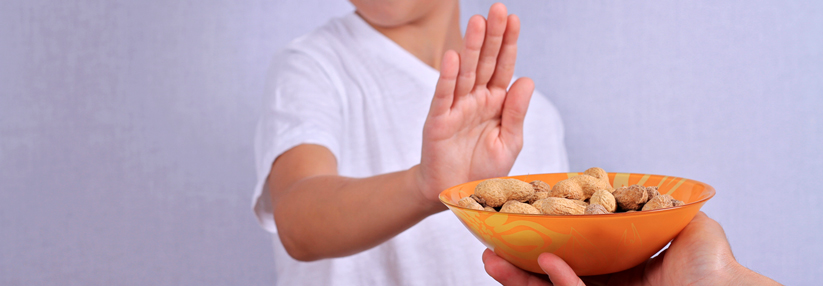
{"x": 474, "y": 129}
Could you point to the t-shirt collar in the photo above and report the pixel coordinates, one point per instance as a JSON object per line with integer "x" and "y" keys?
{"x": 380, "y": 45}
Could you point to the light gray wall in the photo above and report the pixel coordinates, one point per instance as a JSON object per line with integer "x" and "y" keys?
{"x": 126, "y": 126}
{"x": 126, "y": 134}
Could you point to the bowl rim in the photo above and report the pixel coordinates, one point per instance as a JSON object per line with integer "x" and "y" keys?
{"x": 709, "y": 188}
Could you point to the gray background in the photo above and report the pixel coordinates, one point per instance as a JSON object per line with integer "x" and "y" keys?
{"x": 126, "y": 126}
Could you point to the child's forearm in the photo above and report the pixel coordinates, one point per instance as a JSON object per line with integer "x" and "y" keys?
{"x": 474, "y": 130}
{"x": 333, "y": 216}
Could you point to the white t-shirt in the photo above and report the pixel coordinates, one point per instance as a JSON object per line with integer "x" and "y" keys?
{"x": 347, "y": 87}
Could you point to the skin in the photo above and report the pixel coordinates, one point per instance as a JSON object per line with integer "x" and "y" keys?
{"x": 474, "y": 130}
{"x": 699, "y": 255}
{"x": 425, "y": 28}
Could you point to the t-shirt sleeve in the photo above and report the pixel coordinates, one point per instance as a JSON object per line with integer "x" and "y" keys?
{"x": 301, "y": 106}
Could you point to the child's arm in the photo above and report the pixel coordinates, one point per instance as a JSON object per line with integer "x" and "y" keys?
{"x": 474, "y": 130}
{"x": 320, "y": 214}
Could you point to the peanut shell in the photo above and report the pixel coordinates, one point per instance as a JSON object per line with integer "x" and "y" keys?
{"x": 658, "y": 202}
{"x": 590, "y": 184}
{"x": 567, "y": 189}
{"x": 652, "y": 192}
{"x": 596, "y": 209}
{"x": 478, "y": 199}
{"x": 541, "y": 190}
{"x": 539, "y": 196}
{"x": 559, "y": 206}
{"x": 600, "y": 174}
{"x": 540, "y": 186}
{"x": 516, "y": 207}
{"x": 605, "y": 199}
{"x": 496, "y": 192}
{"x": 631, "y": 198}
{"x": 470, "y": 203}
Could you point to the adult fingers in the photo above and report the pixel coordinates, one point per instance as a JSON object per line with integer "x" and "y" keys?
{"x": 703, "y": 233}
{"x": 514, "y": 112}
{"x": 560, "y": 273}
{"x": 444, "y": 90}
{"x": 472, "y": 44}
{"x": 495, "y": 27}
{"x": 702, "y": 227}
{"x": 504, "y": 70}
{"x": 508, "y": 274}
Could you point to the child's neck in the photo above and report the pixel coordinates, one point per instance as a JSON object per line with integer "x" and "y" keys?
{"x": 429, "y": 37}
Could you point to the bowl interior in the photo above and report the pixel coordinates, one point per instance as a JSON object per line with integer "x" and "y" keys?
{"x": 591, "y": 244}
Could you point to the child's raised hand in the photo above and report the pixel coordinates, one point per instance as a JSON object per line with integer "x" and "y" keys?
{"x": 474, "y": 129}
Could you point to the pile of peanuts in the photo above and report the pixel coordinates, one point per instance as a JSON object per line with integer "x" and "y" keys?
{"x": 587, "y": 193}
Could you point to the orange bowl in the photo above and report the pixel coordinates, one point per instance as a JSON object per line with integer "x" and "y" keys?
{"x": 590, "y": 244}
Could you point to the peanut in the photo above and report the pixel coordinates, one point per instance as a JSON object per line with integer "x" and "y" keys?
{"x": 659, "y": 202}
{"x": 631, "y": 197}
{"x": 567, "y": 189}
{"x": 596, "y": 209}
{"x": 516, "y": 207}
{"x": 478, "y": 199}
{"x": 587, "y": 193}
{"x": 540, "y": 186}
{"x": 541, "y": 190}
{"x": 605, "y": 199}
{"x": 652, "y": 192}
{"x": 579, "y": 187}
{"x": 539, "y": 196}
{"x": 469, "y": 203}
{"x": 559, "y": 206}
{"x": 600, "y": 174}
{"x": 496, "y": 192}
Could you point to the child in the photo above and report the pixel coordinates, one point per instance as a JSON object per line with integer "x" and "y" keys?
{"x": 349, "y": 185}
{"x": 360, "y": 133}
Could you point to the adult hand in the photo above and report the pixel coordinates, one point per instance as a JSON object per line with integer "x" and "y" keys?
{"x": 699, "y": 255}
{"x": 474, "y": 129}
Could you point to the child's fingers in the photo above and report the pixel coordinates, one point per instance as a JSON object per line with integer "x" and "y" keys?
{"x": 514, "y": 112}
{"x": 444, "y": 90}
{"x": 495, "y": 27}
{"x": 504, "y": 70}
{"x": 473, "y": 42}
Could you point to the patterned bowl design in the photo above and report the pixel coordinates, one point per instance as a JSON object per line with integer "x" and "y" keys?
{"x": 590, "y": 244}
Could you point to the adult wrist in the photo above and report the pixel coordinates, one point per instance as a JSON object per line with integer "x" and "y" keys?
{"x": 746, "y": 276}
